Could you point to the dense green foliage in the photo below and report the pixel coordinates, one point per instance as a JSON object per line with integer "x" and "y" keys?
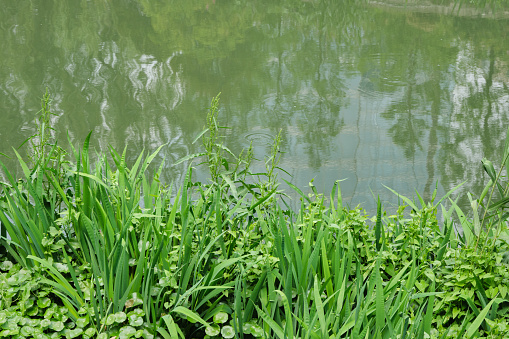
{"x": 98, "y": 250}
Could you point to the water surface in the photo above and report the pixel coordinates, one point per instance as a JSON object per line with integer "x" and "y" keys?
{"x": 377, "y": 93}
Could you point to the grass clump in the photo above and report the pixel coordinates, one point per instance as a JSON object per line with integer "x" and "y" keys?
{"x": 118, "y": 254}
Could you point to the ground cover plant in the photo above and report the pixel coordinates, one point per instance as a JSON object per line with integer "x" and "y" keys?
{"x": 102, "y": 249}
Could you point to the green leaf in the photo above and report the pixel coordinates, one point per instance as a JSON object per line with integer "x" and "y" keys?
{"x": 298, "y": 190}
{"x": 126, "y": 332}
{"x": 273, "y": 325}
{"x": 220, "y": 317}
{"x": 262, "y": 199}
{"x": 189, "y": 157}
{"x": 43, "y": 302}
{"x": 424, "y": 295}
{"x": 429, "y": 311}
{"x": 135, "y": 320}
{"x": 89, "y": 332}
{"x": 110, "y": 320}
{"x": 93, "y": 177}
{"x": 256, "y": 330}
{"x": 6, "y": 265}
{"x": 75, "y": 332}
{"x": 227, "y": 332}
{"x": 212, "y": 330}
{"x": 62, "y": 282}
{"x": 319, "y": 307}
{"x": 190, "y": 314}
{"x": 27, "y": 331}
{"x": 120, "y": 317}
{"x": 378, "y": 224}
{"x": 82, "y": 321}
{"x": 472, "y": 329}
{"x": 405, "y": 199}
{"x": 172, "y": 327}
{"x": 380, "y": 299}
{"x": 57, "y": 326}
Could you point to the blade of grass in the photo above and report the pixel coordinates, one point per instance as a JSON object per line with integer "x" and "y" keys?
{"x": 278, "y": 331}
{"x": 378, "y": 224}
{"x": 380, "y": 299}
{"x": 319, "y": 307}
{"x": 429, "y": 310}
{"x": 472, "y": 329}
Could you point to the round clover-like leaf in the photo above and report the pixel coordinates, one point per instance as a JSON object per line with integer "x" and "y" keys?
{"x": 71, "y": 325}
{"x": 256, "y": 330}
{"x": 48, "y": 314}
{"x": 40, "y": 336}
{"x": 76, "y": 332}
{"x": 147, "y": 335}
{"x": 43, "y": 293}
{"x": 43, "y": 302}
{"x": 61, "y": 314}
{"x": 212, "y": 330}
{"x": 86, "y": 293}
{"x": 137, "y": 311}
{"x": 227, "y": 332}
{"x": 154, "y": 291}
{"x": 83, "y": 310}
{"x": 12, "y": 323}
{"x": 37, "y": 333}
{"x": 220, "y": 317}
{"x": 3, "y": 317}
{"x": 82, "y": 321}
{"x": 6, "y": 265}
{"x": 32, "y": 311}
{"x": 90, "y": 331}
{"x": 135, "y": 320}
{"x": 9, "y": 332}
{"x": 138, "y": 334}
{"x": 27, "y": 331}
{"x": 110, "y": 320}
{"x": 45, "y": 323}
{"x": 18, "y": 278}
{"x": 57, "y": 326}
{"x": 102, "y": 336}
{"x": 61, "y": 267}
{"x": 120, "y": 317}
{"x": 30, "y": 322}
{"x": 126, "y": 332}
{"x": 29, "y": 303}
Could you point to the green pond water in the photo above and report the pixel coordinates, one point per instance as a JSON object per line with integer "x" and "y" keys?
{"x": 377, "y": 93}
